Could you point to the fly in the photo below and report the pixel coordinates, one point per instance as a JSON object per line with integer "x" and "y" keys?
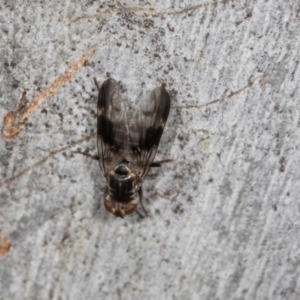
{"x": 126, "y": 148}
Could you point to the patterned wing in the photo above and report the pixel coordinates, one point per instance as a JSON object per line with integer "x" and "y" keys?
{"x": 112, "y": 128}
{"x": 146, "y": 130}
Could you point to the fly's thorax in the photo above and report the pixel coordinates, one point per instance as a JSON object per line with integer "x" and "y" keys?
{"x": 123, "y": 185}
{"x": 122, "y": 182}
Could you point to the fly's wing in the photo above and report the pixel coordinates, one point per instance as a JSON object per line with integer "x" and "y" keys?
{"x": 112, "y": 127}
{"x": 146, "y": 130}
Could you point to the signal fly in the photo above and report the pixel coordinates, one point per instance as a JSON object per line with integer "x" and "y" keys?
{"x": 127, "y": 147}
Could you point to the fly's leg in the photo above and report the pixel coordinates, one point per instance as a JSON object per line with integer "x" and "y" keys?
{"x": 141, "y": 198}
{"x": 96, "y": 83}
{"x": 158, "y": 164}
{"x": 95, "y": 157}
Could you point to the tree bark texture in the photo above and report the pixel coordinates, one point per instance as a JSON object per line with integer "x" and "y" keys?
{"x": 223, "y": 216}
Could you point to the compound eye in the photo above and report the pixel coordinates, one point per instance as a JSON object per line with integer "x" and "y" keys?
{"x": 119, "y": 209}
{"x": 130, "y": 208}
{"x": 121, "y": 170}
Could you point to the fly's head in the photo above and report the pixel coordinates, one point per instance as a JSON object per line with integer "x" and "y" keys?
{"x": 120, "y": 209}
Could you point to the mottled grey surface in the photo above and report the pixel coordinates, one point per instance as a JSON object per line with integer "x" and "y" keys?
{"x": 224, "y": 216}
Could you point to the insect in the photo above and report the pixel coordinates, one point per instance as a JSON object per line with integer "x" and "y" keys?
{"x": 126, "y": 148}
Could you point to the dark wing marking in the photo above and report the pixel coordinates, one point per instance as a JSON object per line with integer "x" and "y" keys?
{"x": 112, "y": 128}
{"x": 146, "y": 129}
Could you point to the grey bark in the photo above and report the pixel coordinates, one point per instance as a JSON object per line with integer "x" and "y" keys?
{"x": 224, "y": 216}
